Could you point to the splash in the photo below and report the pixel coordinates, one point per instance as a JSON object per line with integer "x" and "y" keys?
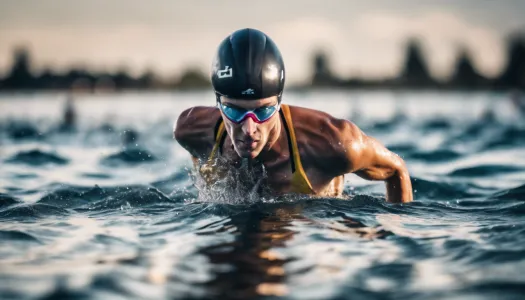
{"x": 243, "y": 185}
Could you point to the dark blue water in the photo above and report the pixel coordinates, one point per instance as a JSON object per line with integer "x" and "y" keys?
{"x": 105, "y": 208}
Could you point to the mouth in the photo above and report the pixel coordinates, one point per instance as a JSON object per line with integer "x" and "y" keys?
{"x": 250, "y": 144}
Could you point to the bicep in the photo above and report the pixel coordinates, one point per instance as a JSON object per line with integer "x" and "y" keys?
{"x": 375, "y": 161}
{"x": 367, "y": 157}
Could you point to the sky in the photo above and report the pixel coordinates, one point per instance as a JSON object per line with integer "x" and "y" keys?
{"x": 364, "y": 38}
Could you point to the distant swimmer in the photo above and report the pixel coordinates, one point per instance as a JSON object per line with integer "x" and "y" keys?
{"x": 69, "y": 112}
{"x": 293, "y": 149}
{"x": 69, "y": 120}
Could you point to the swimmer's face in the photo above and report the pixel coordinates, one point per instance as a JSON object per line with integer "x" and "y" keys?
{"x": 250, "y": 132}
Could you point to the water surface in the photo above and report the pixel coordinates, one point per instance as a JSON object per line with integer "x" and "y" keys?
{"x": 106, "y": 209}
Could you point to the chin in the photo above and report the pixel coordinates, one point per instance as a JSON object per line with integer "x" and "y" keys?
{"x": 247, "y": 153}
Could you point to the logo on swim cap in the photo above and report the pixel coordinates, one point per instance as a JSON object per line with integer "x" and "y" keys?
{"x": 227, "y": 72}
{"x": 248, "y": 92}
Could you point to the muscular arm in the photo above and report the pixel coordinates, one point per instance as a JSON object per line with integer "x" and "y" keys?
{"x": 369, "y": 159}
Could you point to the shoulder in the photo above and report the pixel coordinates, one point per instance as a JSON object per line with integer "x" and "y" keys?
{"x": 329, "y": 141}
{"x": 195, "y": 129}
{"x": 310, "y": 123}
{"x": 197, "y": 116}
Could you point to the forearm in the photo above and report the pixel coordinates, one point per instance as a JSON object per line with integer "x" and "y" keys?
{"x": 369, "y": 159}
{"x": 399, "y": 187}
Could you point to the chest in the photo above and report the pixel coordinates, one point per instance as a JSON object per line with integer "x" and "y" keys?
{"x": 271, "y": 176}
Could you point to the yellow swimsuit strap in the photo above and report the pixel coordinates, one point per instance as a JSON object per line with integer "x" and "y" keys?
{"x": 218, "y": 138}
{"x": 300, "y": 182}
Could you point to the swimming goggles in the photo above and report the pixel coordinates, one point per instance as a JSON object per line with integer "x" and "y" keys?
{"x": 258, "y": 115}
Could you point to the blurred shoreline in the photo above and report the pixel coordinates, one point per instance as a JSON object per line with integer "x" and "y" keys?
{"x": 291, "y": 90}
{"x": 414, "y": 74}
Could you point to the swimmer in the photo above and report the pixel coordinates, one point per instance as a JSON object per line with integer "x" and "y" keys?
{"x": 69, "y": 119}
{"x": 301, "y": 150}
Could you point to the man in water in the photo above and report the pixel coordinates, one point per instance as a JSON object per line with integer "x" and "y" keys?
{"x": 293, "y": 149}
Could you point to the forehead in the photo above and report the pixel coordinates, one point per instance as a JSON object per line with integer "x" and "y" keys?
{"x": 249, "y": 104}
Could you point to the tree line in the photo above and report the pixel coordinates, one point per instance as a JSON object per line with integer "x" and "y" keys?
{"x": 414, "y": 74}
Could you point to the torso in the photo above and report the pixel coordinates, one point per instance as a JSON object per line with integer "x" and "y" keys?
{"x": 279, "y": 172}
{"x": 313, "y": 146}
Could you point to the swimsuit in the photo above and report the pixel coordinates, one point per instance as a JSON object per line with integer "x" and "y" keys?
{"x": 300, "y": 183}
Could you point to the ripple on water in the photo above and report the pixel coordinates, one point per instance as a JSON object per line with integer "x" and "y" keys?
{"x": 132, "y": 237}
{"x": 32, "y": 212}
{"x": 131, "y": 156}
{"x": 12, "y": 236}
{"x": 72, "y": 196}
{"x": 509, "y": 137}
{"x": 427, "y": 189}
{"x": 517, "y": 193}
{"x": 97, "y": 199}
{"x": 485, "y": 170}
{"x": 37, "y": 157}
{"x": 6, "y": 200}
{"x": 436, "y": 156}
{"x": 22, "y": 130}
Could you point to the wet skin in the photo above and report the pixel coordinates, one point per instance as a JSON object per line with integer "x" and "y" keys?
{"x": 329, "y": 148}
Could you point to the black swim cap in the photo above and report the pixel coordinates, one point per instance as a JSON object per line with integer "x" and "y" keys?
{"x": 248, "y": 65}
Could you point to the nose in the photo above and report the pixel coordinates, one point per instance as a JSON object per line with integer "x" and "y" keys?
{"x": 249, "y": 127}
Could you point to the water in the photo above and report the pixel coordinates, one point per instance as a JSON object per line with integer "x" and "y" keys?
{"x": 107, "y": 210}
